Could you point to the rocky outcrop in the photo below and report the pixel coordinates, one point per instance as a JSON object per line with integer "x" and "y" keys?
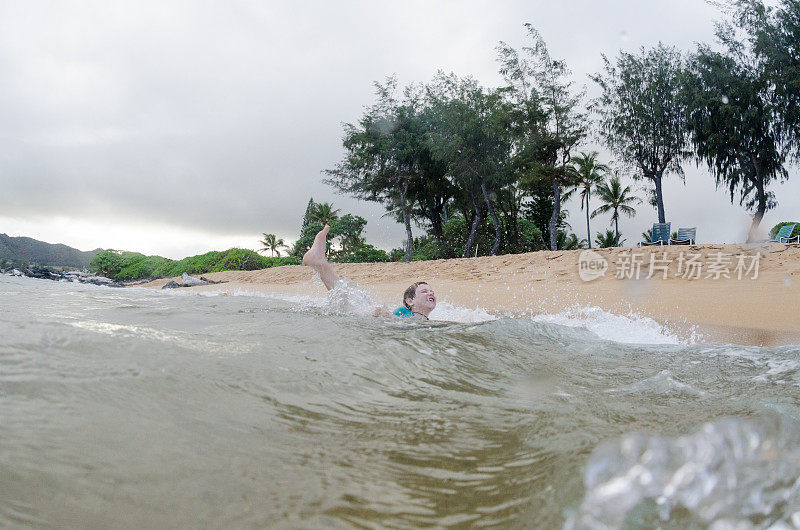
{"x": 44, "y": 273}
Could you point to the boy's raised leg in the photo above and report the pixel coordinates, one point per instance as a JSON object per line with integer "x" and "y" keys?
{"x": 316, "y": 259}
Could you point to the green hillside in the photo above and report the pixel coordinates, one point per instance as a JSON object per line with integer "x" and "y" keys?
{"x": 21, "y": 251}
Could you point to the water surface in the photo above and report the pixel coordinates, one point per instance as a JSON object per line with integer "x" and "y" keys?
{"x": 135, "y": 408}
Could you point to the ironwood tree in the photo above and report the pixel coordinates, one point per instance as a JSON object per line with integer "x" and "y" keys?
{"x": 642, "y": 116}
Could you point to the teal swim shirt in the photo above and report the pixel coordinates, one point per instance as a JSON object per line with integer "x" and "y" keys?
{"x": 403, "y": 312}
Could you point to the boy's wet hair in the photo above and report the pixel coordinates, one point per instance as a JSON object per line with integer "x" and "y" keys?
{"x": 411, "y": 292}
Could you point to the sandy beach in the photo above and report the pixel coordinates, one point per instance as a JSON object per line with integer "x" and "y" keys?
{"x": 741, "y": 294}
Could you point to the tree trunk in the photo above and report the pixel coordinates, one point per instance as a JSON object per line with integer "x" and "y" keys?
{"x": 407, "y": 221}
{"x": 438, "y": 219}
{"x": 659, "y": 198}
{"x": 553, "y": 226}
{"x": 515, "y": 223}
{"x": 616, "y": 223}
{"x": 474, "y": 230}
{"x": 588, "y": 231}
{"x": 495, "y": 220}
{"x": 761, "y": 209}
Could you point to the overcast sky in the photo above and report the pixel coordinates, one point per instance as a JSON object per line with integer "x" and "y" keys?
{"x": 175, "y": 128}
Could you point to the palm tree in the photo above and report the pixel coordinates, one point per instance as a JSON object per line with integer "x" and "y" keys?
{"x": 609, "y": 239}
{"x": 615, "y": 199}
{"x": 272, "y": 243}
{"x": 588, "y": 174}
{"x": 568, "y": 242}
{"x": 323, "y": 213}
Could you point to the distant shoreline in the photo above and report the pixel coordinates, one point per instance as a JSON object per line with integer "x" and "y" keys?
{"x": 741, "y": 311}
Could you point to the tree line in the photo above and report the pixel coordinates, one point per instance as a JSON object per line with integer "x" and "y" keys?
{"x": 486, "y": 170}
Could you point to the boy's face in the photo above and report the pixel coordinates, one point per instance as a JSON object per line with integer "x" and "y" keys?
{"x": 424, "y": 299}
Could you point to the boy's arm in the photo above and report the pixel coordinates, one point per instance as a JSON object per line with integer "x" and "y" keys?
{"x": 382, "y": 311}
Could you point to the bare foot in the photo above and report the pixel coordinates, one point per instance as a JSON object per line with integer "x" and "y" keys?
{"x": 316, "y": 254}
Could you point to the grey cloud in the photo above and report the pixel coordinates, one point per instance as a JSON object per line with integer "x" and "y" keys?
{"x": 220, "y": 117}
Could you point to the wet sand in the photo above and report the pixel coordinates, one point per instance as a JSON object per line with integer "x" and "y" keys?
{"x": 709, "y": 289}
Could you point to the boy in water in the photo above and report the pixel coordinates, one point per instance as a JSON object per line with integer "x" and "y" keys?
{"x": 418, "y": 300}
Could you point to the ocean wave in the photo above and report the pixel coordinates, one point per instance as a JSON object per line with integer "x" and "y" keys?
{"x": 310, "y": 415}
{"x": 347, "y": 299}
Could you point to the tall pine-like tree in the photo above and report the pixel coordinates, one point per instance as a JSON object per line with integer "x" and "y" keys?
{"x": 735, "y": 119}
{"x": 549, "y": 122}
{"x": 642, "y": 116}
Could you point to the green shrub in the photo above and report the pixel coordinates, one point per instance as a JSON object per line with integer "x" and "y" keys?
{"x": 138, "y": 267}
{"x": 397, "y": 254}
{"x": 774, "y": 231}
{"x": 364, "y": 253}
{"x": 426, "y": 248}
{"x": 530, "y": 237}
{"x": 279, "y": 261}
{"x": 456, "y": 233}
{"x": 107, "y": 262}
{"x": 135, "y": 266}
{"x": 199, "y": 264}
{"x": 127, "y": 265}
{"x": 239, "y": 259}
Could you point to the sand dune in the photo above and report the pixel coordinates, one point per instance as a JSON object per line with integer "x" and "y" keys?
{"x": 743, "y": 294}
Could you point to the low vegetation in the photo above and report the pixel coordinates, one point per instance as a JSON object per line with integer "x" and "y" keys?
{"x": 122, "y": 265}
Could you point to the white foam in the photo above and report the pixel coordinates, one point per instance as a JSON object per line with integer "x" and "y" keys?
{"x": 630, "y": 329}
{"x": 452, "y": 313}
{"x": 303, "y": 300}
{"x": 345, "y": 298}
{"x": 348, "y": 298}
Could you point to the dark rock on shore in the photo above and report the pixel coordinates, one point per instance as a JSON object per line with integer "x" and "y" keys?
{"x": 44, "y": 273}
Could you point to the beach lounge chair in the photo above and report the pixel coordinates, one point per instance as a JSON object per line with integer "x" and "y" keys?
{"x": 660, "y": 235}
{"x": 685, "y": 237}
{"x": 784, "y": 235}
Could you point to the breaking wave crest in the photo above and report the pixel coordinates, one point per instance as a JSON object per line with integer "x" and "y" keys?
{"x": 346, "y": 298}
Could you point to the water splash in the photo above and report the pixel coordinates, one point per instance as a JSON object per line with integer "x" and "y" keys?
{"x": 347, "y": 299}
{"x": 732, "y": 473}
{"x": 631, "y": 328}
{"x": 448, "y": 312}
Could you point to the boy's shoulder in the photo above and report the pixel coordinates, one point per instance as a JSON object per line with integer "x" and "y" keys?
{"x": 403, "y": 312}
